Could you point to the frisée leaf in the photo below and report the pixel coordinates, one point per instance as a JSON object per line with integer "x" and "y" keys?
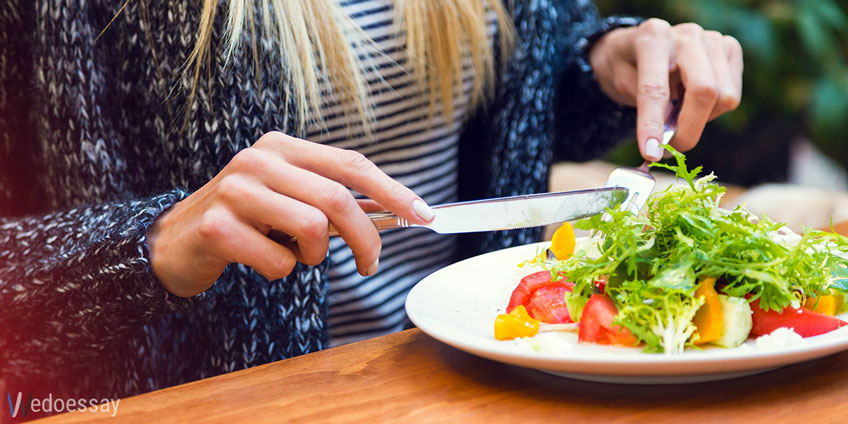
{"x": 654, "y": 261}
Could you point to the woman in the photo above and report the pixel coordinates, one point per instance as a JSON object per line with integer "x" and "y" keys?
{"x": 136, "y": 194}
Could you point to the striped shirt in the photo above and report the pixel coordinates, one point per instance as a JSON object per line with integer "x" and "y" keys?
{"x": 419, "y": 153}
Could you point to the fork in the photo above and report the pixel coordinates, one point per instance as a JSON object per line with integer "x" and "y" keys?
{"x": 639, "y": 181}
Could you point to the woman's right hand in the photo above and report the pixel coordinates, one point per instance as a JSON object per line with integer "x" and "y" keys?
{"x": 285, "y": 183}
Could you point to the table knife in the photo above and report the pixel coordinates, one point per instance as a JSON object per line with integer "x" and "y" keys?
{"x": 507, "y": 213}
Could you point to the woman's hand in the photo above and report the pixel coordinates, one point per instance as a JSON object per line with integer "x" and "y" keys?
{"x": 647, "y": 65}
{"x": 284, "y": 183}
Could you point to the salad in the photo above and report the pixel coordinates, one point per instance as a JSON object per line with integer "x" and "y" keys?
{"x": 682, "y": 275}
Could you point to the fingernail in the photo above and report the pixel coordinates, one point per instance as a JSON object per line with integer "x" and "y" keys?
{"x": 422, "y": 210}
{"x": 653, "y": 149}
{"x": 373, "y": 268}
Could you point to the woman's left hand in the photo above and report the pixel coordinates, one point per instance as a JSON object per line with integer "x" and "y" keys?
{"x": 648, "y": 65}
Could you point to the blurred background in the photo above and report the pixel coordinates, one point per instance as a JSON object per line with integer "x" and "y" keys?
{"x": 792, "y": 126}
{"x": 795, "y": 83}
{"x": 784, "y": 152}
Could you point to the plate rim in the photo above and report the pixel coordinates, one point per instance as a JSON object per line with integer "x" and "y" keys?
{"x": 735, "y": 360}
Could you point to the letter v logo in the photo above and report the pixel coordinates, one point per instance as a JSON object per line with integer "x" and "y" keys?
{"x": 14, "y": 409}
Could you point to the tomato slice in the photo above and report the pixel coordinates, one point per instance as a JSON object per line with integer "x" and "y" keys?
{"x": 596, "y": 324}
{"x": 529, "y": 284}
{"x": 547, "y": 304}
{"x": 802, "y": 320}
{"x": 601, "y": 284}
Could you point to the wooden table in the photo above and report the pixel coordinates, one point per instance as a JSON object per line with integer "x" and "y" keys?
{"x": 410, "y": 377}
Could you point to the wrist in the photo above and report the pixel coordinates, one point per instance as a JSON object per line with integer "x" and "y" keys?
{"x": 165, "y": 256}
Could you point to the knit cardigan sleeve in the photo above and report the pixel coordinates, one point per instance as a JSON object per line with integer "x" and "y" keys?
{"x": 72, "y": 281}
{"x": 546, "y": 101}
{"x": 588, "y": 123}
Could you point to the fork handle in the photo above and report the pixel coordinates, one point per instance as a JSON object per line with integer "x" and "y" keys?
{"x": 381, "y": 220}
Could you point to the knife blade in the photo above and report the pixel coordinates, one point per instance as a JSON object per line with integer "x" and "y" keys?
{"x": 506, "y": 213}
{"x": 503, "y": 213}
{"x": 532, "y": 210}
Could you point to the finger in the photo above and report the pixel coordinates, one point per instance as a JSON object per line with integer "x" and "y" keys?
{"x": 614, "y": 63}
{"x": 339, "y": 205}
{"x": 333, "y": 199}
{"x": 238, "y": 242}
{"x": 368, "y": 206}
{"x": 625, "y": 84}
{"x": 734, "y": 57}
{"x": 653, "y": 49}
{"x": 728, "y": 93}
{"x": 699, "y": 81}
{"x": 354, "y": 170}
{"x": 268, "y": 209}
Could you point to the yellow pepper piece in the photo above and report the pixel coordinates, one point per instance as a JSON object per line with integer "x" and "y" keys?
{"x": 563, "y": 242}
{"x": 827, "y": 304}
{"x": 708, "y": 319}
{"x": 517, "y": 323}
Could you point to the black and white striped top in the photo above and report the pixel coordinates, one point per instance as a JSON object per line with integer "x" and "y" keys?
{"x": 90, "y": 158}
{"x": 419, "y": 153}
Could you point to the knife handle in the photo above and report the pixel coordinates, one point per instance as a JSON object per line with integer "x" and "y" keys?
{"x": 381, "y": 220}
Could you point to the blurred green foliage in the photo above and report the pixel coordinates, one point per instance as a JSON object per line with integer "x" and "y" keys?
{"x": 796, "y": 62}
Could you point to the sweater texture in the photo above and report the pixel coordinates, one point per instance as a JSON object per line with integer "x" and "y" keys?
{"x": 92, "y": 151}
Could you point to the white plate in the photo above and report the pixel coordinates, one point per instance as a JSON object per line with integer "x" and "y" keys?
{"x": 458, "y": 304}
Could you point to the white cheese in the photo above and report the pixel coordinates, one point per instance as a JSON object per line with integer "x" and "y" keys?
{"x": 780, "y": 338}
{"x": 553, "y": 343}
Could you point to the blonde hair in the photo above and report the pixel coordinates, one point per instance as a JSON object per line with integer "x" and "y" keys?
{"x": 317, "y": 41}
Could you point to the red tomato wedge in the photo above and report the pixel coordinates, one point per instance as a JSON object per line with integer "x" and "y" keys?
{"x": 529, "y": 284}
{"x": 596, "y": 324}
{"x": 547, "y": 304}
{"x": 601, "y": 284}
{"x": 802, "y": 320}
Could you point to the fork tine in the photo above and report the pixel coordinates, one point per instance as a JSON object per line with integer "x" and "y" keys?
{"x": 639, "y": 181}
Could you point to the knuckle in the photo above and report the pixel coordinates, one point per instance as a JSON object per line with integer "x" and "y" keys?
{"x": 730, "y": 100}
{"x": 689, "y": 28}
{"x": 654, "y": 26}
{"x": 231, "y": 188}
{"x": 336, "y": 197}
{"x": 651, "y": 124}
{"x": 714, "y": 36}
{"x": 315, "y": 226}
{"x": 732, "y": 44}
{"x": 704, "y": 91}
{"x": 271, "y": 137}
{"x": 355, "y": 161}
{"x": 731, "y": 40}
{"x": 274, "y": 142}
{"x": 280, "y": 267}
{"x": 212, "y": 225}
{"x": 622, "y": 86}
{"x": 246, "y": 158}
{"x": 654, "y": 90}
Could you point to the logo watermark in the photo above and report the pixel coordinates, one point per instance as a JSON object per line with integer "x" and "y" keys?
{"x": 23, "y": 405}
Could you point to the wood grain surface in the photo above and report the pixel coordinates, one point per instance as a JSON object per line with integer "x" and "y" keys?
{"x": 410, "y": 377}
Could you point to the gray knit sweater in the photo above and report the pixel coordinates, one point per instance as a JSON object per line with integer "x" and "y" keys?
{"x": 91, "y": 153}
